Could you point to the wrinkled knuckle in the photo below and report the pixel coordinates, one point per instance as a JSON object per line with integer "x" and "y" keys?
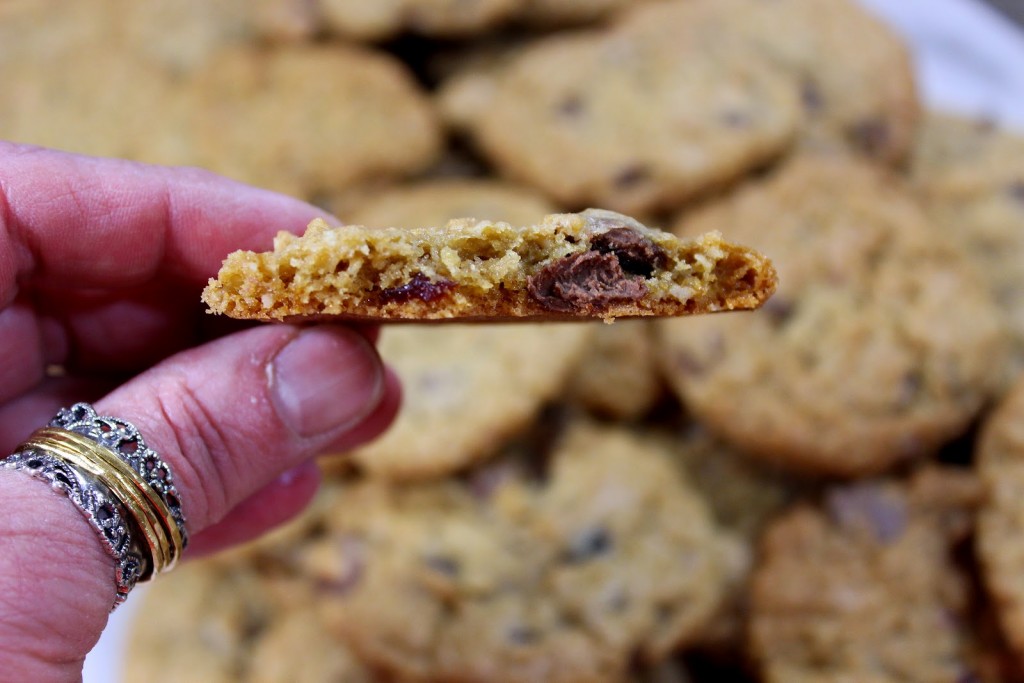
{"x": 204, "y": 468}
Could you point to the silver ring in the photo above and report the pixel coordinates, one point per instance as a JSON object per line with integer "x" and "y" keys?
{"x": 123, "y": 488}
{"x": 100, "y": 507}
{"x": 124, "y": 439}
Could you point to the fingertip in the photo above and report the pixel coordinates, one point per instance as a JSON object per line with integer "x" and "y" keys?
{"x": 327, "y": 378}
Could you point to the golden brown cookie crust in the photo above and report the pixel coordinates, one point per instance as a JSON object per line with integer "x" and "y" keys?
{"x": 592, "y": 265}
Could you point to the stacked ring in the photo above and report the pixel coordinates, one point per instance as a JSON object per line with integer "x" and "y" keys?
{"x": 120, "y": 485}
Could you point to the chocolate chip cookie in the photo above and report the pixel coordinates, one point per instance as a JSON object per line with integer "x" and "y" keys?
{"x": 596, "y": 264}
{"x": 435, "y": 202}
{"x": 867, "y": 587}
{"x": 970, "y": 175}
{"x": 1000, "y": 462}
{"x": 466, "y": 388}
{"x": 624, "y": 121}
{"x": 618, "y": 376}
{"x": 228, "y": 622}
{"x": 854, "y": 76}
{"x": 879, "y": 346}
{"x": 312, "y": 118}
{"x": 386, "y": 18}
{"x": 527, "y": 569}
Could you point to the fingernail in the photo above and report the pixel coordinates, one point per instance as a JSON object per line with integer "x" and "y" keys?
{"x": 325, "y": 379}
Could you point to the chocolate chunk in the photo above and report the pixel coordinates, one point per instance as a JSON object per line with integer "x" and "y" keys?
{"x": 631, "y": 176}
{"x": 778, "y": 310}
{"x": 443, "y": 564}
{"x": 586, "y": 282}
{"x": 1016, "y": 191}
{"x": 419, "y": 287}
{"x": 870, "y": 507}
{"x": 519, "y": 634}
{"x": 872, "y": 136}
{"x": 571, "y": 107}
{"x": 736, "y": 119}
{"x": 811, "y": 97}
{"x": 636, "y": 254}
{"x": 588, "y": 544}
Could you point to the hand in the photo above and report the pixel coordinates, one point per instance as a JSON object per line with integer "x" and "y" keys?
{"x": 101, "y": 266}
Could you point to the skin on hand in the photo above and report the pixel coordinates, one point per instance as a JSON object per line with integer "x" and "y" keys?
{"x": 101, "y": 266}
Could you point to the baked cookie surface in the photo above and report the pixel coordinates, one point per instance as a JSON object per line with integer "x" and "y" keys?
{"x": 854, "y": 75}
{"x": 1000, "y": 463}
{"x": 970, "y": 175}
{"x": 880, "y": 345}
{"x": 595, "y": 264}
{"x": 229, "y": 622}
{"x": 618, "y": 375}
{"x": 466, "y": 389}
{"x": 513, "y": 573}
{"x": 311, "y": 118}
{"x": 631, "y": 123}
{"x": 385, "y": 18}
{"x": 435, "y": 202}
{"x": 867, "y": 587}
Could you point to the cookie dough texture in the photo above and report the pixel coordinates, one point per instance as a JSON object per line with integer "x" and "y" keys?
{"x": 867, "y": 587}
{"x": 595, "y": 264}
{"x": 466, "y": 389}
{"x": 1000, "y": 458}
{"x": 607, "y": 558}
{"x": 629, "y": 122}
{"x": 880, "y": 345}
{"x": 854, "y": 76}
{"x": 970, "y": 175}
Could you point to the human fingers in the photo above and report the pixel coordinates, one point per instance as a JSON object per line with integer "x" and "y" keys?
{"x": 74, "y": 221}
{"x": 228, "y": 418}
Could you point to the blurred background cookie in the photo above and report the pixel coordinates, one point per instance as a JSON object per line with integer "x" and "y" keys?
{"x": 880, "y": 345}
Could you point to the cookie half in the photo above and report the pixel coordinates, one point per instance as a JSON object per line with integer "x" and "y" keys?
{"x": 596, "y": 264}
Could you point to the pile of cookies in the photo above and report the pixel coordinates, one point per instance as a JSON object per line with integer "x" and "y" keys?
{"x": 825, "y": 489}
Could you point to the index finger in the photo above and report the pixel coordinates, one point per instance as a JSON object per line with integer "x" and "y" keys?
{"x": 71, "y": 220}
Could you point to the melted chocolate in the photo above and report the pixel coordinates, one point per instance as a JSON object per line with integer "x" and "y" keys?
{"x": 587, "y": 282}
{"x": 636, "y": 254}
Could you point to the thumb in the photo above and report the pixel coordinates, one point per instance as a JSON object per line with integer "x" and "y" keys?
{"x": 231, "y": 416}
{"x": 228, "y": 418}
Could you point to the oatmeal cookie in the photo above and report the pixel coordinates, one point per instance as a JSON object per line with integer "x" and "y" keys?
{"x": 853, "y": 74}
{"x": 618, "y": 376}
{"x": 382, "y": 19}
{"x": 466, "y": 388}
{"x": 596, "y": 265}
{"x": 227, "y": 622}
{"x": 310, "y": 119}
{"x": 628, "y": 122}
{"x": 1000, "y": 463}
{"x": 880, "y": 345}
{"x": 567, "y": 570}
{"x": 970, "y": 175}
{"x": 435, "y": 202}
{"x": 867, "y": 587}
